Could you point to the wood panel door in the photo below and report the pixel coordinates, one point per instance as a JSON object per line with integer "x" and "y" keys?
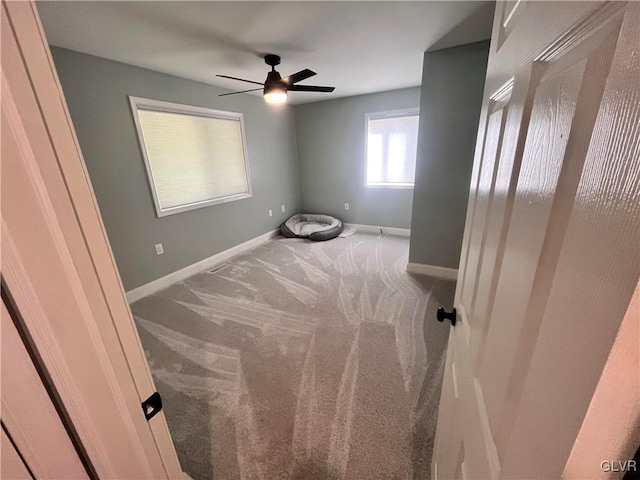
{"x": 550, "y": 256}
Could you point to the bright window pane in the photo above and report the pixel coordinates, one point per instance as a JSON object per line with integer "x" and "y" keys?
{"x": 397, "y": 162}
{"x": 374, "y": 159}
{"x": 391, "y": 149}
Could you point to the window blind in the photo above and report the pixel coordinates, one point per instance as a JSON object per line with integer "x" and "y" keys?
{"x": 392, "y": 144}
{"x": 193, "y": 160}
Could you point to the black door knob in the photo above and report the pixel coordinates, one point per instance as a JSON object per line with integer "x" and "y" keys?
{"x": 442, "y": 315}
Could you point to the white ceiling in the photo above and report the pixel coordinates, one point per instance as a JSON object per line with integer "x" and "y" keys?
{"x": 358, "y": 47}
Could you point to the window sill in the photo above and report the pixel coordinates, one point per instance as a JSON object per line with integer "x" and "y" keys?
{"x": 389, "y": 185}
{"x": 207, "y": 203}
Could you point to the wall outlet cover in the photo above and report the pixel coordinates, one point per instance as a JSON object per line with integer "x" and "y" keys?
{"x": 283, "y": 209}
{"x": 271, "y": 213}
{"x": 346, "y": 206}
{"x": 159, "y": 249}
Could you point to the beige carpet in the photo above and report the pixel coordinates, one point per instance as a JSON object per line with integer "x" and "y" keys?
{"x": 301, "y": 360}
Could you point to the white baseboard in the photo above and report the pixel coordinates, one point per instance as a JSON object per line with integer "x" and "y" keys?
{"x": 402, "y": 232}
{"x": 166, "y": 281}
{"x": 433, "y": 271}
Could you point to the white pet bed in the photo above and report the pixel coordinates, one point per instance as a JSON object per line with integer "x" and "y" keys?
{"x": 312, "y": 226}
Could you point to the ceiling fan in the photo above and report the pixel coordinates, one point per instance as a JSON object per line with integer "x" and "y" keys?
{"x": 275, "y": 87}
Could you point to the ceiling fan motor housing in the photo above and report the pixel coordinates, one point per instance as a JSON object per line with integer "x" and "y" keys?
{"x": 274, "y": 81}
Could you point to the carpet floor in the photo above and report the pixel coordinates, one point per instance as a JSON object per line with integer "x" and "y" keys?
{"x": 301, "y": 360}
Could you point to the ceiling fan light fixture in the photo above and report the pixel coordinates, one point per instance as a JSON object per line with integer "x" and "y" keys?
{"x": 275, "y": 95}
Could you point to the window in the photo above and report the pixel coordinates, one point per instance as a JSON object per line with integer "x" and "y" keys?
{"x": 392, "y": 142}
{"x": 195, "y": 157}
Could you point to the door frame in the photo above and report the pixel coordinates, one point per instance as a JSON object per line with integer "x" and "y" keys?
{"x": 108, "y": 320}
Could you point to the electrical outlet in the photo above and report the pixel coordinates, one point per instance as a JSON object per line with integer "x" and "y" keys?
{"x": 346, "y": 206}
{"x": 159, "y": 249}
{"x": 283, "y": 209}
{"x": 271, "y": 213}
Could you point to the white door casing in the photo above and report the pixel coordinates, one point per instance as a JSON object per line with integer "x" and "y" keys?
{"x": 58, "y": 266}
{"x": 550, "y": 256}
{"x": 29, "y": 415}
{"x": 11, "y": 465}
{"x": 615, "y": 403}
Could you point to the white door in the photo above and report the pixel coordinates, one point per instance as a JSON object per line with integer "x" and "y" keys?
{"x": 550, "y": 257}
{"x": 58, "y": 269}
{"x": 30, "y": 423}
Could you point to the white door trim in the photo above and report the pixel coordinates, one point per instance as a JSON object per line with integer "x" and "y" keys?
{"x": 59, "y": 215}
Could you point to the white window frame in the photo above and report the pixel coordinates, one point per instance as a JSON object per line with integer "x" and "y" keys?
{"x": 405, "y": 112}
{"x": 169, "y": 107}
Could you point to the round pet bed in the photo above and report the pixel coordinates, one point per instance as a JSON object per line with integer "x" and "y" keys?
{"x": 311, "y": 226}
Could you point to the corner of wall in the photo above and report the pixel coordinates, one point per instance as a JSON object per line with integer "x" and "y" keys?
{"x": 294, "y": 121}
{"x": 450, "y": 104}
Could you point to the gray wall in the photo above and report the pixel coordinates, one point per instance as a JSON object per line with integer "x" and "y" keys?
{"x": 96, "y": 91}
{"x": 331, "y": 141}
{"x": 450, "y": 103}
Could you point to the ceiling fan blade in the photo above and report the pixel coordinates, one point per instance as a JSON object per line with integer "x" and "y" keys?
{"x": 310, "y": 88}
{"x": 299, "y": 76}
{"x": 241, "y": 79}
{"x": 242, "y": 91}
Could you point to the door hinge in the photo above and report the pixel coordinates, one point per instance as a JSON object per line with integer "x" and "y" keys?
{"x": 152, "y": 405}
